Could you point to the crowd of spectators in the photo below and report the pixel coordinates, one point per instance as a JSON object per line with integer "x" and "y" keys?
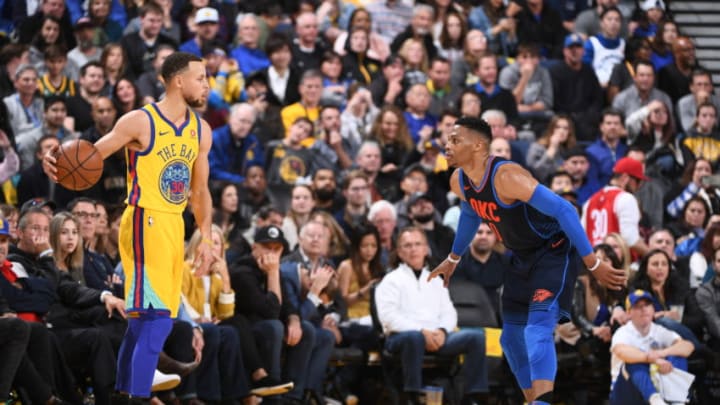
{"x": 328, "y": 180}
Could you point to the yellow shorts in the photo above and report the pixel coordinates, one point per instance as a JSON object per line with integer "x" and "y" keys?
{"x": 151, "y": 250}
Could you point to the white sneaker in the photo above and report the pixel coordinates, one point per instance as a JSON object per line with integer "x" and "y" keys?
{"x": 164, "y": 382}
{"x": 656, "y": 399}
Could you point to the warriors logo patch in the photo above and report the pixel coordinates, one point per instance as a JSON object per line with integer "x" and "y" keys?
{"x": 175, "y": 182}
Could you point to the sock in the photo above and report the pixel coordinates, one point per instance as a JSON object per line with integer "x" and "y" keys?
{"x": 513, "y": 345}
{"x": 149, "y": 332}
{"x": 540, "y": 344}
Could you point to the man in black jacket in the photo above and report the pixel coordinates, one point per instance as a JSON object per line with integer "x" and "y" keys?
{"x": 14, "y": 335}
{"x": 77, "y": 314}
{"x": 260, "y": 298}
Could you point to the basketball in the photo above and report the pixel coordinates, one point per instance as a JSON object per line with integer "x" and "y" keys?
{"x": 79, "y": 165}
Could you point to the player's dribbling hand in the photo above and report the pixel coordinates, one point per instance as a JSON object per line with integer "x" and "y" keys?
{"x": 444, "y": 270}
{"x": 611, "y": 278}
{"x": 203, "y": 259}
{"x": 49, "y": 161}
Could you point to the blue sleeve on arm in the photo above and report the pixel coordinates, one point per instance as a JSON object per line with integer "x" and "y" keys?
{"x": 467, "y": 228}
{"x": 557, "y": 207}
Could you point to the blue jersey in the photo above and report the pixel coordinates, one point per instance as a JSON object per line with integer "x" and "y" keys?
{"x": 519, "y": 226}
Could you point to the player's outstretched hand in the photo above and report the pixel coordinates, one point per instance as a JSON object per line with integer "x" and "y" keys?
{"x": 48, "y": 163}
{"x": 444, "y": 270}
{"x": 613, "y": 279}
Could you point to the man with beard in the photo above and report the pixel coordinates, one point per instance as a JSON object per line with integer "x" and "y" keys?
{"x": 167, "y": 159}
{"x": 421, "y": 212}
{"x": 79, "y": 106}
{"x": 85, "y": 51}
{"x": 356, "y": 190}
{"x": 112, "y": 187}
{"x": 484, "y": 264}
{"x": 324, "y": 184}
{"x": 674, "y": 78}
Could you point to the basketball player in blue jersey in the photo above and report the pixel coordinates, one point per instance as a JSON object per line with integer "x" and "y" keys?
{"x": 166, "y": 147}
{"x": 545, "y": 235}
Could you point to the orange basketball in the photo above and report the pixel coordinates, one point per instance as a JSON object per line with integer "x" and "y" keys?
{"x": 79, "y": 165}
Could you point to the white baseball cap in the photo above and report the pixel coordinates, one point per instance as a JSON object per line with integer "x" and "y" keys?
{"x": 206, "y": 14}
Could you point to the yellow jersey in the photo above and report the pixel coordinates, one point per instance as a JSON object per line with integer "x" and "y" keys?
{"x": 158, "y": 177}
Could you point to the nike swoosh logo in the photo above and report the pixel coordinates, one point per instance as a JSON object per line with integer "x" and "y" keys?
{"x": 163, "y": 133}
{"x": 558, "y": 243}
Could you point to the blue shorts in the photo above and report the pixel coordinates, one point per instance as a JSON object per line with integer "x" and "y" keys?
{"x": 540, "y": 280}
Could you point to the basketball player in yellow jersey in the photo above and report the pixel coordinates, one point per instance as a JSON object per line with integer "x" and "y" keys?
{"x": 167, "y": 147}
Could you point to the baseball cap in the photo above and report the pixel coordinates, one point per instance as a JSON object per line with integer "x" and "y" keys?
{"x": 650, "y": 4}
{"x": 38, "y": 202}
{"x": 573, "y": 40}
{"x": 206, "y": 14}
{"x": 636, "y": 296}
{"x": 84, "y": 22}
{"x": 4, "y": 227}
{"x": 270, "y": 234}
{"x": 417, "y": 197}
{"x": 413, "y": 168}
{"x": 631, "y": 167}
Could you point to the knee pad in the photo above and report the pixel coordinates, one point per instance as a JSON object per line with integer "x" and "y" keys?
{"x": 540, "y": 345}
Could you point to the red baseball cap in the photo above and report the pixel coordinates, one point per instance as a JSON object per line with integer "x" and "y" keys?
{"x": 630, "y": 167}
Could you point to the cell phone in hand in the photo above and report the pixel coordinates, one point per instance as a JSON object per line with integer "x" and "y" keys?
{"x": 711, "y": 181}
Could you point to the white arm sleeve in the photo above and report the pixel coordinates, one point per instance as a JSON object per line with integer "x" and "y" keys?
{"x": 628, "y": 215}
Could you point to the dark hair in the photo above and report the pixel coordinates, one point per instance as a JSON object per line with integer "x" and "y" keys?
{"x": 75, "y": 201}
{"x": 634, "y": 44}
{"x": 606, "y": 10}
{"x": 55, "y": 51}
{"x": 700, "y": 72}
{"x": 448, "y": 112}
{"x": 375, "y": 266}
{"x": 150, "y": 7}
{"x": 658, "y": 44}
{"x": 175, "y": 64}
{"x": 706, "y": 246}
{"x": 690, "y": 168}
{"x": 462, "y": 95}
{"x": 613, "y": 112}
{"x": 445, "y": 40}
{"x": 643, "y": 62}
{"x": 352, "y": 175}
{"x": 12, "y": 51}
{"x": 529, "y": 47}
{"x": 307, "y": 121}
{"x": 478, "y": 125}
{"x": 558, "y": 173}
{"x": 54, "y": 99}
{"x": 697, "y": 199}
{"x": 673, "y": 287}
{"x": 137, "y": 103}
{"x": 329, "y": 56}
{"x": 265, "y": 211}
{"x": 38, "y": 40}
{"x": 93, "y": 63}
{"x": 571, "y": 139}
{"x": 38, "y": 145}
{"x": 440, "y": 59}
{"x": 275, "y": 42}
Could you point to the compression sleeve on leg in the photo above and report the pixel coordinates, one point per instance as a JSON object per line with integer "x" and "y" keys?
{"x": 549, "y": 203}
{"x": 468, "y": 224}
